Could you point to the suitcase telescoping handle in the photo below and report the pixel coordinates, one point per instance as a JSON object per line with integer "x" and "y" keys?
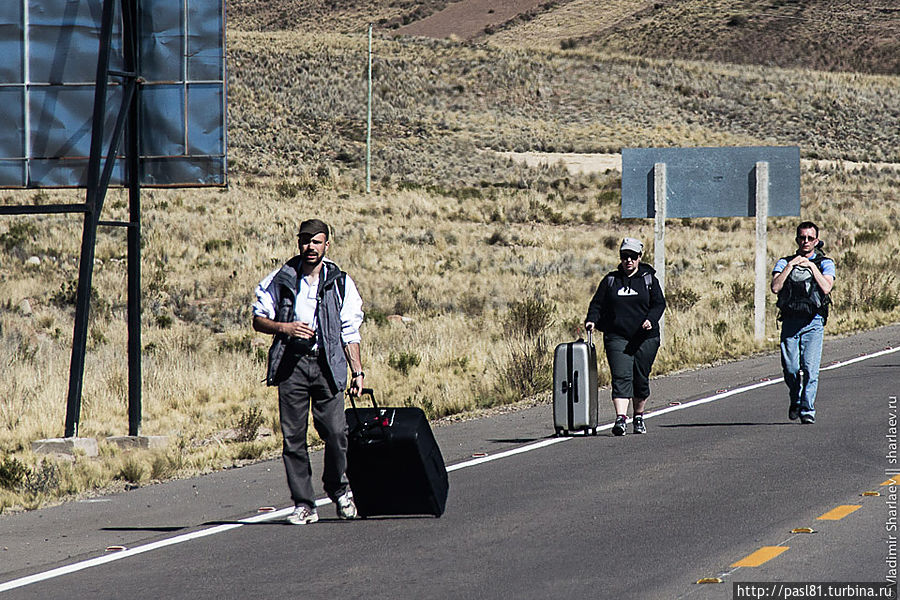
{"x": 364, "y": 392}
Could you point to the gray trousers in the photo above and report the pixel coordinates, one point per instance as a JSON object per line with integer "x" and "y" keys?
{"x": 630, "y": 362}
{"x": 306, "y": 384}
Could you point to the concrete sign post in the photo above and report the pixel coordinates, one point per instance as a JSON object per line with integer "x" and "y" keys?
{"x": 659, "y": 232}
{"x": 762, "y": 268}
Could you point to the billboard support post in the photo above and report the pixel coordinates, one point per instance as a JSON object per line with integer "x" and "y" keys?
{"x": 97, "y": 185}
{"x": 133, "y": 174}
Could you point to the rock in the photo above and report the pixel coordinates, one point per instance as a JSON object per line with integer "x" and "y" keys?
{"x": 66, "y": 446}
{"x": 33, "y": 261}
{"x": 399, "y": 319}
{"x": 146, "y": 442}
{"x": 25, "y": 307}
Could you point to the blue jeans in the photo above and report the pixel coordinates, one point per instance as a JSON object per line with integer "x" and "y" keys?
{"x": 801, "y": 352}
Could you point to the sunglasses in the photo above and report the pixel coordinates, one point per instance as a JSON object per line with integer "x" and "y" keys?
{"x": 805, "y": 238}
{"x": 629, "y": 256}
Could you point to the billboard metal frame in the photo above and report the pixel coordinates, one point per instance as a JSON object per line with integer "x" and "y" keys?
{"x": 99, "y": 174}
{"x": 122, "y": 56}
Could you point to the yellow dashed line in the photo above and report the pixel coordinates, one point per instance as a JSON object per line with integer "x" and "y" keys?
{"x": 764, "y": 554}
{"x": 895, "y": 480}
{"x": 840, "y": 512}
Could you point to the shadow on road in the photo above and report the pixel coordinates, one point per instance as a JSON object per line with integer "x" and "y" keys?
{"x": 727, "y": 424}
{"x": 159, "y": 529}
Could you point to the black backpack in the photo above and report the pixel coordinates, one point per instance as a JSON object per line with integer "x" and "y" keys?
{"x": 801, "y": 295}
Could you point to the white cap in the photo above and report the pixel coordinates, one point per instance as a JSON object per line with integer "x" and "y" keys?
{"x": 632, "y": 244}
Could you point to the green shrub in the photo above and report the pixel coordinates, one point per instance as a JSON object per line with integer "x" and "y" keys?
{"x": 213, "y": 245}
{"x": 376, "y": 316}
{"x": 404, "y": 361}
{"x": 248, "y": 424}
{"x": 43, "y": 480}
{"x": 18, "y": 233}
{"x": 868, "y": 237}
{"x": 133, "y": 469}
{"x": 681, "y": 298}
{"x": 13, "y": 473}
{"x": 531, "y": 317}
{"x": 250, "y": 451}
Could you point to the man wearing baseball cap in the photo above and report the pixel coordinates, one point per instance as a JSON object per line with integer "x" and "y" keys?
{"x": 313, "y": 311}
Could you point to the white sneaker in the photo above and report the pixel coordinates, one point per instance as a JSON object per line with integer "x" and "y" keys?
{"x": 346, "y": 508}
{"x": 302, "y": 515}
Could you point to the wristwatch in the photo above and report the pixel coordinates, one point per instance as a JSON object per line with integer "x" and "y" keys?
{"x": 356, "y": 374}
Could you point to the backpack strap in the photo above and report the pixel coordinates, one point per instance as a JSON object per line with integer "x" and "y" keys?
{"x": 341, "y": 285}
{"x": 648, "y": 279}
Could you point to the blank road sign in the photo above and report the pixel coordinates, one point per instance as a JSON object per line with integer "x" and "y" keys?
{"x": 711, "y": 182}
{"x": 47, "y": 77}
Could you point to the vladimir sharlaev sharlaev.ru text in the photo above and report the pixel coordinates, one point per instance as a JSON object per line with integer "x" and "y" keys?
{"x": 814, "y": 591}
{"x": 893, "y": 474}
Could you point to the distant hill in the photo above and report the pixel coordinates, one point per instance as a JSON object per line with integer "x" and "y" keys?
{"x": 829, "y": 35}
{"x": 327, "y": 16}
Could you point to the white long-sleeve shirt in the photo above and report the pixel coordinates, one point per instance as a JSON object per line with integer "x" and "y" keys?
{"x": 305, "y": 306}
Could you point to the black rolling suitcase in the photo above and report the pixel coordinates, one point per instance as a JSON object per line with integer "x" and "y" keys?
{"x": 394, "y": 464}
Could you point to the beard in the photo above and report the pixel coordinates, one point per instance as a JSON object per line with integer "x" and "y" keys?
{"x": 313, "y": 259}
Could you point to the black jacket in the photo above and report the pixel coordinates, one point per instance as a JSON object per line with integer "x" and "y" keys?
{"x": 621, "y": 304}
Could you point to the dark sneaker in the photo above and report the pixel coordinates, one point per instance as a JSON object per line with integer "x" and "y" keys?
{"x": 346, "y": 508}
{"x": 303, "y": 515}
{"x": 807, "y": 419}
{"x": 619, "y": 427}
{"x": 794, "y": 412}
{"x": 638, "y": 424}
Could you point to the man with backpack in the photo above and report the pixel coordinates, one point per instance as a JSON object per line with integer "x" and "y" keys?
{"x": 313, "y": 311}
{"x": 803, "y": 282}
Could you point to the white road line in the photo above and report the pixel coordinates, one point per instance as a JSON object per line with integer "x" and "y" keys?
{"x": 186, "y": 537}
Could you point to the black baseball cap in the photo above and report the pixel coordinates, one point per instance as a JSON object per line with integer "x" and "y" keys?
{"x": 313, "y": 227}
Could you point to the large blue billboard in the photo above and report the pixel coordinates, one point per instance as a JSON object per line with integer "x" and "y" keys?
{"x": 711, "y": 182}
{"x": 47, "y": 82}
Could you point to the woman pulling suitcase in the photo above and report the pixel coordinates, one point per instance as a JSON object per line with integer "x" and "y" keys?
{"x": 627, "y": 307}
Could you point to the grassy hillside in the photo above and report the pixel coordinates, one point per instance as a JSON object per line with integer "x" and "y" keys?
{"x": 489, "y": 262}
{"x": 298, "y": 102}
{"x": 829, "y": 35}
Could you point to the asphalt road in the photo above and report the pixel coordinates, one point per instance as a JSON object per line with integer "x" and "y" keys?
{"x": 713, "y": 483}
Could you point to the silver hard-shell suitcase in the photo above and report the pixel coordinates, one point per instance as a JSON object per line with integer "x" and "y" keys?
{"x": 575, "y": 406}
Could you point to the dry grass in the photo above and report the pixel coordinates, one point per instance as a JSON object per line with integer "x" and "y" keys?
{"x": 451, "y": 237}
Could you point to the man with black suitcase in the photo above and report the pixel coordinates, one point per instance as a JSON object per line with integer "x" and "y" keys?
{"x": 314, "y": 311}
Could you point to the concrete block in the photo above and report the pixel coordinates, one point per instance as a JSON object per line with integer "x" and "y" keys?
{"x": 67, "y": 446}
{"x": 143, "y": 442}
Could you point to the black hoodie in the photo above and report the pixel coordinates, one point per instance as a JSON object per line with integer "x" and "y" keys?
{"x": 621, "y": 304}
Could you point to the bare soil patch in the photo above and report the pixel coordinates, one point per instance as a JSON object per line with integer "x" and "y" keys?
{"x": 585, "y": 164}
{"x": 469, "y": 18}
